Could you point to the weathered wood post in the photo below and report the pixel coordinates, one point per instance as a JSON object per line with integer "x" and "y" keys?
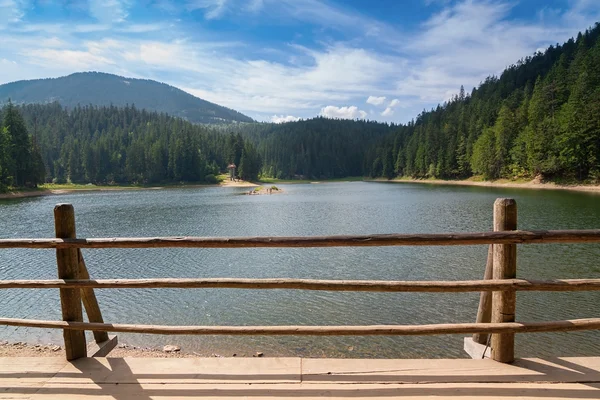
{"x": 90, "y": 302}
{"x": 68, "y": 268}
{"x": 484, "y": 312}
{"x": 505, "y": 267}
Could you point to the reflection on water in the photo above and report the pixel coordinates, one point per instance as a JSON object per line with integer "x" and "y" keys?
{"x": 325, "y": 209}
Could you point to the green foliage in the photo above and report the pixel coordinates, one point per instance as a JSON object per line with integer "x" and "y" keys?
{"x": 483, "y": 160}
{"x": 21, "y": 164}
{"x": 210, "y": 178}
{"x": 250, "y": 163}
{"x": 110, "y": 145}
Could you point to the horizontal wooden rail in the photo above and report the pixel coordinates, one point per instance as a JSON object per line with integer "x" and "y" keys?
{"x": 397, "y": 330}
{"x": 434, "y": 239}
{"x": 558, "y": 285}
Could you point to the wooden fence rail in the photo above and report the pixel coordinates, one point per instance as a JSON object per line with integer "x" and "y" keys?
{"x": 432, "y": 239}
{"x": 556, "y": 285}
{"x": 495, "y": 316}
{"x": 344, "y": 330}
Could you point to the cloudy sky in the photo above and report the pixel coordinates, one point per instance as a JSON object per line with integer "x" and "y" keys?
{"x": 278, "y": 60}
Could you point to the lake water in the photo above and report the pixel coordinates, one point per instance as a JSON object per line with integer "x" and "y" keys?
{"x": 305, "y": 209}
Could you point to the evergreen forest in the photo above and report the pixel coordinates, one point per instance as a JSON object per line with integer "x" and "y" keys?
{"x": 111, "y": 145}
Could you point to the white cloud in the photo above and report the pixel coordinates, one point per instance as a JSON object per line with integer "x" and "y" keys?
{"x": 255, "y": 5}
{"x": 106, "y": 11}
{"x": 279, "y": 119}
{"x": 376, "y": 101}
{"x": 87, "y": 28}
{"x": 11, "y": 11}
{"x": 388, "y": 112}
{"x": 350, "y": 112}
{"x": 142, "y": 28}
{"x": 214, "y": 9}
{"x": 78, "y": 60}
{"x": 394, "y": 103}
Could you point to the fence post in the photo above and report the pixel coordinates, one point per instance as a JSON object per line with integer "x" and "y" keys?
{"x": 68, "y": 268}
{"x": 484, "y": 312}
{"x": 505, "y": 267}
{"x": 89, "y": 300}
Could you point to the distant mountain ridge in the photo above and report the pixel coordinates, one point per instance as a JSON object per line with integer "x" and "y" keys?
{"x": 102, "y": 89}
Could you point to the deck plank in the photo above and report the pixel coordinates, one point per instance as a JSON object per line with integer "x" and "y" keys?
{"x": 180, "y": 370}
{"x": 563, "y": 369}
{"x": 462, "y": 391}
{"x": 294, "y": 378}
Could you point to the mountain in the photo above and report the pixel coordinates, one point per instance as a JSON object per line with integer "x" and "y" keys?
{"x": 100, "y": 89}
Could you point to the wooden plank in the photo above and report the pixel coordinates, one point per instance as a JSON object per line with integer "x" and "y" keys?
{"x": 556, "y": 285}
{"x": 484, "y": 311}
{"x": 564, "y": 369}
{"x": 303, "y": 330}
{"x": 293, "y": 378}
{"x": 318, "y": 391}
{"x": 181, "y": 370}
{"x": 68, "y": 268}
{"x": 434, "y": 239}
{"x": 92, "y": 309}
{"x": 102, "y": 349}
{"x": 505, "y": 267}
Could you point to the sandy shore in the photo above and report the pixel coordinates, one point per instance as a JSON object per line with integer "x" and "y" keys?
{"x": 503, "y": 184}
{"x": 21, "y": 349}
{"x": 228, "y": 183}
{"x": 50, "y": 192}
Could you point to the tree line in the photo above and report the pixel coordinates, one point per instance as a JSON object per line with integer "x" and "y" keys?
{"x": 112, "y": 145}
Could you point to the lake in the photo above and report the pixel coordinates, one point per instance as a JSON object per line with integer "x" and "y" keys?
{"x": 305, "y": 209}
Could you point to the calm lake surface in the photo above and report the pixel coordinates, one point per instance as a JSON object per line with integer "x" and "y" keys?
{"x": 305, "y": 209}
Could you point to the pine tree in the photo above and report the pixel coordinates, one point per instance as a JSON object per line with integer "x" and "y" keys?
{"x": 23, "y": 167}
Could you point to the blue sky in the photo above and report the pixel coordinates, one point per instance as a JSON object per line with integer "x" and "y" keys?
{"x": 278, "y": 60}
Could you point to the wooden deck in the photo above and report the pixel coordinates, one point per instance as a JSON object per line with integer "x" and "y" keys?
{"x": 294, "y": 378}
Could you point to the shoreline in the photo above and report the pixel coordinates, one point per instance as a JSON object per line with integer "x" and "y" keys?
{"x": 19, "y": 194}
{"x": 535, "y": 185}
{"x": 24, "y": 349}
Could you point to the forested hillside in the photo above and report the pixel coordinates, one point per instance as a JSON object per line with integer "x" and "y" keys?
{"x": 541, "y": 117}
{"x": 107, "y": 145}
{"x": 318, "y": 148}
{"x": 100, "y": 89}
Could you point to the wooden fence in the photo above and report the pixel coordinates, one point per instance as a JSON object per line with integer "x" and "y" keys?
{"x": 495, "y": 316}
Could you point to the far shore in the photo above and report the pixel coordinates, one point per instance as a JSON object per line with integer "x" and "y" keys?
{"x": 49, "y": 190}
{"x": 534, "y": 184}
